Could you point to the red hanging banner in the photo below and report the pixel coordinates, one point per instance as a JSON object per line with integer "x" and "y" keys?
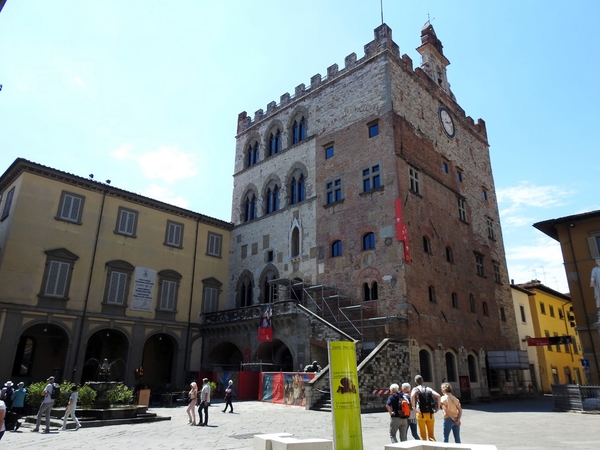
{"x": 401, "y": 230}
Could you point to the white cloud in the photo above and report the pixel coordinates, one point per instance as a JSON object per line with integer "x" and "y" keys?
{"x": 527, "y": 195}
{"x": 518, "y": 203}
{"x": 168, "y": 164}
{"x": 165, "y": 195}
{"x": 78, "y": 81}
{"x": 123, "y": 152}
{"x": 541, "y": 259}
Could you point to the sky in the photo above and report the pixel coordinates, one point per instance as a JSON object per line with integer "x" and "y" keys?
{"x": 147, "y": 93}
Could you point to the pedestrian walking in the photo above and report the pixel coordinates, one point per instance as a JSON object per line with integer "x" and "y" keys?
{"x": 70, "y": 411}
{"x": 229, "y": 397}
{"x": 45, "y": 407}
{"x": 6, "y": 394}
{"x": 193, "y": 399}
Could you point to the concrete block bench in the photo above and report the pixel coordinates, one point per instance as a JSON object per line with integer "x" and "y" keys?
{"x": 263, "y": 441}
{"x": 289, "y": 443}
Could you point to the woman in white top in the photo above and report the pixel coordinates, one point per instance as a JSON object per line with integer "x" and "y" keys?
{"x": 191, "y": 410}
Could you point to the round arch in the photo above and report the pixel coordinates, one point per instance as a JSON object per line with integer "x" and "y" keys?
{"x": 41, "y": 352}
{"x": 226, "y": 355}
{"x": 158, "y": 359}
{"x": 276, "y": 353}
{"x": 107, "y": 344}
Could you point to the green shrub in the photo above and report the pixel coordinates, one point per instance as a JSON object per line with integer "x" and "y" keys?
{"x": 87, "y": 396}
{"x": 213, "y": 388}
{"x": 119, "y": 395}
{"x": 33, "y": 398}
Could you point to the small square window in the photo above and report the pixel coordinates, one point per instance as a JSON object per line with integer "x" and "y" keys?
{"x": 459, "y": 176}
{"x": 373, "y": 130}
{"x": 445, "y": 167}
{"x": 484, "y": 194}
{"x": 329, "y": 152}
{"x": 70, "y": 207}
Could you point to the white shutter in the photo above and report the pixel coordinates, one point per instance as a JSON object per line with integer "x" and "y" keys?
{"x": 167, "y": 295}
{"x": 56, "y": 283}
{"x": 116, "y": 288}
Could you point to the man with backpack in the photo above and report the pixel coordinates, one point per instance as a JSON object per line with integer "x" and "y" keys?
{"x": 426, "y": 402}
{"x": 399, "y": 410}
{"x": 50, "y": 393}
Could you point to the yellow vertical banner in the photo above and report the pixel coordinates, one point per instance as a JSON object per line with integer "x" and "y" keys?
{"x": 345, "y": 401}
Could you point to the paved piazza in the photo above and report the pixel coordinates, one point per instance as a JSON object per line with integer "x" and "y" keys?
{"x": 526, "y": 424}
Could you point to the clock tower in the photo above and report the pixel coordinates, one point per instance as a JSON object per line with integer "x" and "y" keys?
{"x": 434, "y": 62}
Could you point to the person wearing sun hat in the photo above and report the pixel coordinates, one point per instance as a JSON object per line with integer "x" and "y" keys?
{"x": 45, "y": 407}
{"x": 7, "y": 393}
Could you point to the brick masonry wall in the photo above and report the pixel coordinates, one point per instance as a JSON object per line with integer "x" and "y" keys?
{"x": 383, "y": 87}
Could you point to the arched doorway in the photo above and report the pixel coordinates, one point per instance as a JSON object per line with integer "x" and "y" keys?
{"x": 225, "y": 357}
{"x": 108, "y": 344}
{"x": 40, "y": 353}
{"x": 277, "y": 353}
{"x": 157, "y": 361}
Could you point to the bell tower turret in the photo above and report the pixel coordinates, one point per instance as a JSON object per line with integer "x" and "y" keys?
{"x": 433, "y": 61}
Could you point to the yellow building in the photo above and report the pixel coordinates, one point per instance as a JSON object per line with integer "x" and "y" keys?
{"x": 90, "y": 272}
{"x": 525, "y": 328}
{"x": 552, "y": 317}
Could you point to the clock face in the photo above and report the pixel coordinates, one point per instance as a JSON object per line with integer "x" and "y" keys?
{"x": 447, "y": 122}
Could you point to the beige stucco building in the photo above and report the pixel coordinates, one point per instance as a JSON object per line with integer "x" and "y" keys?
{"x": 89, "y": 271}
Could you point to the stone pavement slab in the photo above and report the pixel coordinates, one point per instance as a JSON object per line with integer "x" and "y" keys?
{"x": 510, "y": 425}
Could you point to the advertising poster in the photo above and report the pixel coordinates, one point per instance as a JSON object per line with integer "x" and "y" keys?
{"x": 265, "y": 327}
{"x": 284, "y": 387}
{"x": 143, "y": 289}
{"x": 345, "y": 401}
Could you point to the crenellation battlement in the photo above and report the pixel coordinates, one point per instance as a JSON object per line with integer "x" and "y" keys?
{"x": 382, "y": 42}
{"x": 332, "y": 71}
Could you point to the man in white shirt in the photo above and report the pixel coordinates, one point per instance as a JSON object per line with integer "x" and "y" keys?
{"x": 204, "y": 402}
{"x": 45, "y": 407}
